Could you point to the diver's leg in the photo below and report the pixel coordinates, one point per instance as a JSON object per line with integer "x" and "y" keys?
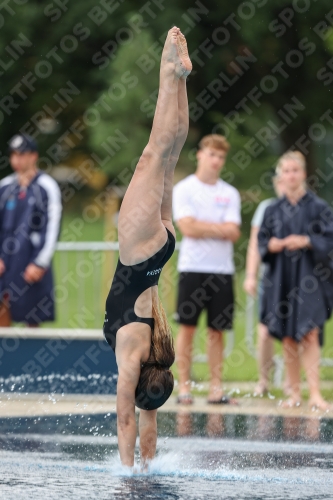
{"x": 141, "y": 232}
{"x": 182, "y": 131}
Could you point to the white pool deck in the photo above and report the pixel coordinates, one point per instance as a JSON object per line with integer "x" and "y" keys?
{"x": 34, "y": 404}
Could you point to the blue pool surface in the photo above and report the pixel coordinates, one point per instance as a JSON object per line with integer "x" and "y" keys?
{"x": 199, "y": 457}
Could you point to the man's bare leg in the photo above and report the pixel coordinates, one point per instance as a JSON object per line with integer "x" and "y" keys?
{"x": 310, "y": 352}
{"x": 215, "y": 351}
{"x": 265, "y": 359}
{"x": 215, "y": 358}
{"x": 293, "y": 367}
{"x": 184, "y": 346}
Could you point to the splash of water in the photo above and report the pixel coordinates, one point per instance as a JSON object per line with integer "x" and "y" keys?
{"x": 60, "y": 382}
{"x": 163, "y": 464}
{"x": 177, "y": 465}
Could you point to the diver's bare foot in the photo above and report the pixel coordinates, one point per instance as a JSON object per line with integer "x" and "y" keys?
{"x": 183, "y": 54}
{"x": 170, "y": 53}
{"x": 318, "y": 403}
{"x": 175, "y": 57}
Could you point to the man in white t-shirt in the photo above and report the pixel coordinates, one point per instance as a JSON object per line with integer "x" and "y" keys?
{"x": 207, "y": 213}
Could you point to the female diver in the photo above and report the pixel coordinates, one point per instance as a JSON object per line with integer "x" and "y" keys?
{"x": 135, "y": 323}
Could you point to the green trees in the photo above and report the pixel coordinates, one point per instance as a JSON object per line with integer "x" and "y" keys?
{"x": 263, "y": 75}
{"x": 49, "y": 70}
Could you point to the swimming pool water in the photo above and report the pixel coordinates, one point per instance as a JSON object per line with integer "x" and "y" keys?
{"x": 199, "y": 457}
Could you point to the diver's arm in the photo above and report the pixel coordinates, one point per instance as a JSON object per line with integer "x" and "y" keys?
{"x": 129, "y": 373}
{"x": 148, "y": 435}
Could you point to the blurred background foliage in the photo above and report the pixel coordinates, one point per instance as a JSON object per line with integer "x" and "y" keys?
{"x": 80, "y": 81}
{"x": 82, "y": 78}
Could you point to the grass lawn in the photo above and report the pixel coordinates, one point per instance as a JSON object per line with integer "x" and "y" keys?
{"x": 83, "y": 280}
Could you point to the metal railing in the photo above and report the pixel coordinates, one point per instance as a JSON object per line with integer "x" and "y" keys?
{"x": 83, "y": 274}
{"x": 81, "y": 280}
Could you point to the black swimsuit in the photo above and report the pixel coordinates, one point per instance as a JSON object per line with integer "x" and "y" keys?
{"x": 128, "y": 284}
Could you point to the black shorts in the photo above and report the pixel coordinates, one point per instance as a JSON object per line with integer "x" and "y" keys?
{"x": 213, "y": 292}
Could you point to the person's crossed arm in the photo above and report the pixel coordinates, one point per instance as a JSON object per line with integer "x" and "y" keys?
{"x": 193, "y": 228}
{"x": 187, "y": 220}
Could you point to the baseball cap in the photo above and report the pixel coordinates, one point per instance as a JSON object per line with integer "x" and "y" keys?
{"x": 22, "y": 143}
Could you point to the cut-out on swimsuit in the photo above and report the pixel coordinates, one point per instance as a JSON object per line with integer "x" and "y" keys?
{"x": 128, "y": 284}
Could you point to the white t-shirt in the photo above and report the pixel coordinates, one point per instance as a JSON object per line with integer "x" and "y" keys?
{"x": 210, "y": 203}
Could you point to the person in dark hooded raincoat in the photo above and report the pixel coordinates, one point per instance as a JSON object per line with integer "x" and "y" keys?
{"x": 296, "y": 241}
{"x": 30, "y": 213}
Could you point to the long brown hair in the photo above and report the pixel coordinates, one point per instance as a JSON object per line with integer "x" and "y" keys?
{"x": 156, "y": 379}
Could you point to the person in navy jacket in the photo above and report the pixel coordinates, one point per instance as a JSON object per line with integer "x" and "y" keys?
{"x": 30, "y": 214}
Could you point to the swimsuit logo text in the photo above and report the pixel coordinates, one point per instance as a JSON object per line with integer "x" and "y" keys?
{"x": 152, "y": 273}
